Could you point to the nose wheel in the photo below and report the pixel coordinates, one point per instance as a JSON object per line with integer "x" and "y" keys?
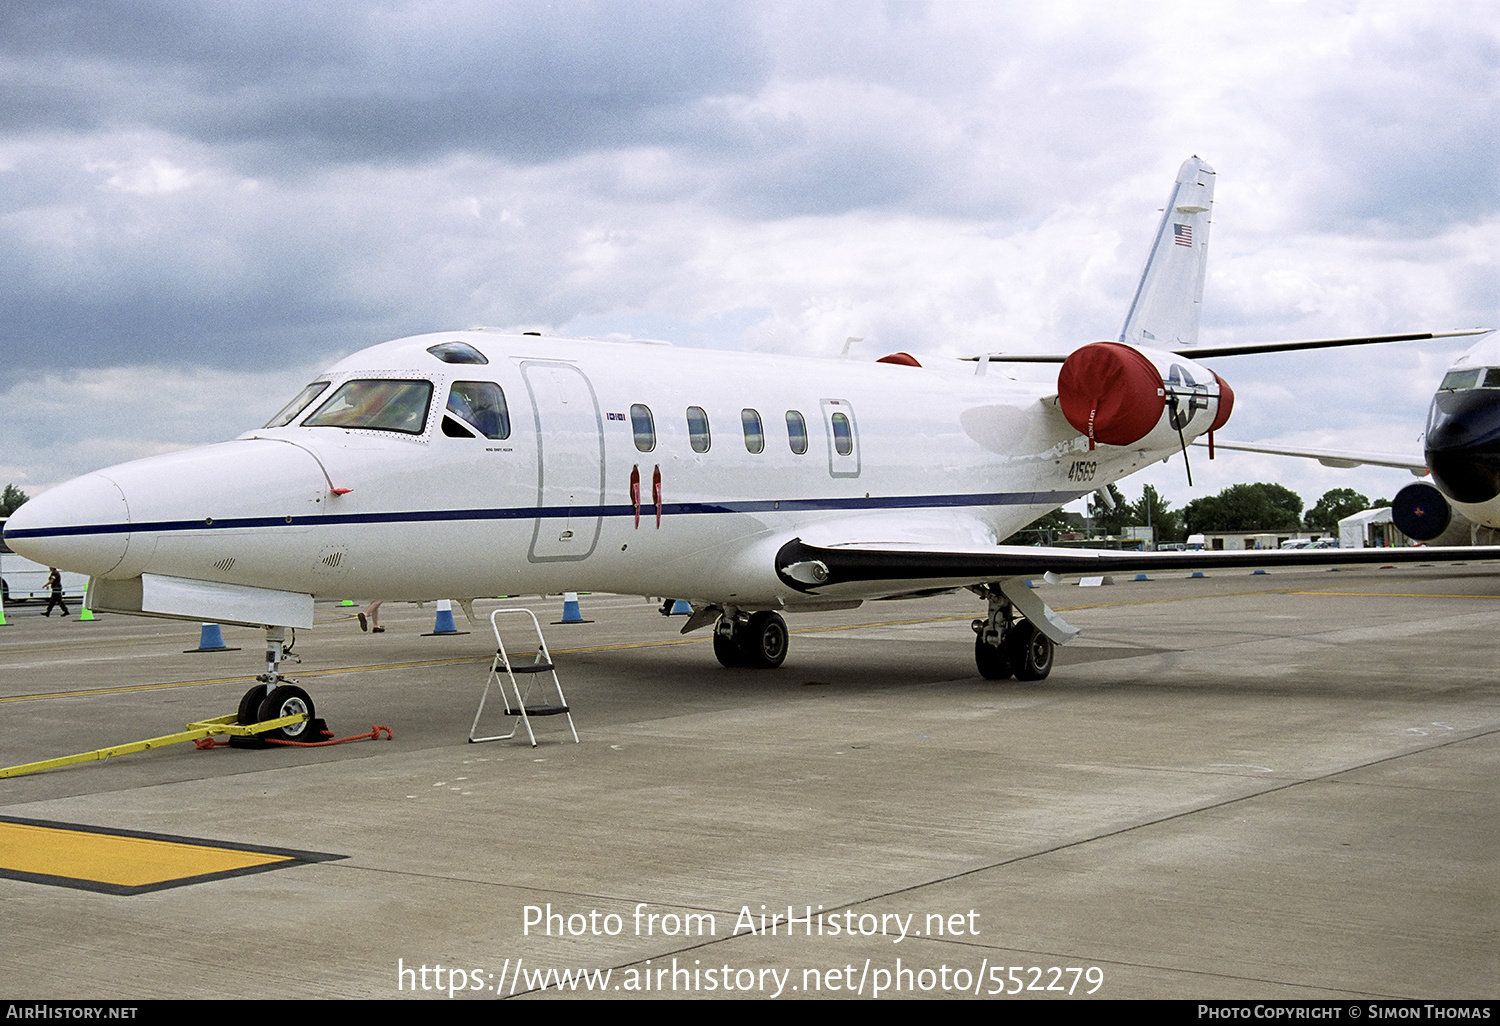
{"x": 250, "y": 705}
{"x": 288, "y": 700}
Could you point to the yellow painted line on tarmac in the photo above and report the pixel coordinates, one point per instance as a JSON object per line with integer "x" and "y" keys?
{"x": 123, "y": 689}
{"x": 128, "y": 862}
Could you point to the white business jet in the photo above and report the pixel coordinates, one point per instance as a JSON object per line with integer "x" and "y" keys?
{"x": 476, "y": 463}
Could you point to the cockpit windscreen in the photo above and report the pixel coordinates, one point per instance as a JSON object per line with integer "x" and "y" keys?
{"x": 1470, "y": 377}
{"x": 376, "y": 405}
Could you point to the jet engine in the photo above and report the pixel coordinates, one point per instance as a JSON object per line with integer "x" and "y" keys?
{"x": 1120, "y": 395}
{"x": 1423, "y": 514}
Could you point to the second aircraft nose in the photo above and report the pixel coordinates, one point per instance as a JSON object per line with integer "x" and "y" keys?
{"x": 1463, "y": 444}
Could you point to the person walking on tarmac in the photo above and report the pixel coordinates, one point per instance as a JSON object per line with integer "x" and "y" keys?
{"x": 370, "y": 619}
{"x": 54, "y": 583}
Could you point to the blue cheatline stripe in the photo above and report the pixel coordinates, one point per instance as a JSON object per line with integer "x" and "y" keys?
{"x": 671, "y": 509}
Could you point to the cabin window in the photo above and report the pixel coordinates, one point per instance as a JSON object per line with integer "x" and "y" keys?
{"x": 376, "y": 405}
{"x": 457, "y": 352}
{"x": 643, "y": 427}
{"x": 290, "y": 410}
{"x": 843, "y": 437}
{"x": 755, "y": 435}
{"x": 796, "y": 432}
{"x": 698, "y": 429}
{"x": 481, "y": 406}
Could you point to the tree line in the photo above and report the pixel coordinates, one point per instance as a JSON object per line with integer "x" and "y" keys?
{"x": 1241, "y": 507}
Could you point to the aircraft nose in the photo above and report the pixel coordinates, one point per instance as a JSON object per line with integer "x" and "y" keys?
{"x": 1463, "y": 444}
{"x": 82, "y": 526}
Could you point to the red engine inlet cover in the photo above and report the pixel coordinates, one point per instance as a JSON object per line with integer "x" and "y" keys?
{"x": 1111, "y": 393}
{"x": 1226, "y": 404}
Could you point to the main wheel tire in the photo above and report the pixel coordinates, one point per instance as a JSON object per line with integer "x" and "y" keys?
{"x": 284, "y": 701}
{"x": 765, "y": 640}
{"x": 250, "y": 705}
{"x": 728, "y": 651}
{"x": 993, "y": 661}
{"x": 1030, "y": 652}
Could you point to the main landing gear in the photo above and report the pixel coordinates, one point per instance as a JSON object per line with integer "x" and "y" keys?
{"x": 277, "y": 696}
{"x": 757, "y": 641}
{"x": 1008, "y": 645}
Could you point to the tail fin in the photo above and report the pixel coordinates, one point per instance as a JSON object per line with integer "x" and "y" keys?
{"x": 1164, "y": 313}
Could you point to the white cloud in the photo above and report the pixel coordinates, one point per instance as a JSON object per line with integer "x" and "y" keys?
{"x": 154, "y": 176}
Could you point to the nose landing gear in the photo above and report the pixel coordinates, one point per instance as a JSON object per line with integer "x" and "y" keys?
{"x": 278, "y": 696}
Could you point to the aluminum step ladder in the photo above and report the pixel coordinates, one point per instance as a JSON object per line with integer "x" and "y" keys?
{"x": 536, "y": 699}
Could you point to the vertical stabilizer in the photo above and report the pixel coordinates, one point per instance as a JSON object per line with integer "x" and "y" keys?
{"x": 1164, "y": 313}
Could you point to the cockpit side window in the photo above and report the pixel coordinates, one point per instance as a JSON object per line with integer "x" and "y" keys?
{"x": 376, "y": 405}
{"x": 290, "y": 410}
{"x": 480, "y": 405}
{"x": 1492, "y": 377}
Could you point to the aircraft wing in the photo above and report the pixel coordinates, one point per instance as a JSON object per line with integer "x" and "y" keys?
{"x": 821, "y": 569}
{"x": 1344, "y": 458}
{"x": 1246, "y": 348}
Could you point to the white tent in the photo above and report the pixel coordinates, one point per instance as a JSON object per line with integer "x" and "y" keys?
{"x": 1354, "y": 531}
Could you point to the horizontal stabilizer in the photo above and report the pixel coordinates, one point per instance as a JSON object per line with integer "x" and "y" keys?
{"x": 1246, "y": 348}
{"x": 1249, "y": 348}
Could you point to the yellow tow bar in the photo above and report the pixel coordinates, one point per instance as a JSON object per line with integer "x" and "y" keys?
{"x": 194, "y": 732}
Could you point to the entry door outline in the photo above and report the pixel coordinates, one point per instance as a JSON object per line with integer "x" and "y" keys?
{"x": 840, "y": 465}
{"x": 569, "y": 433}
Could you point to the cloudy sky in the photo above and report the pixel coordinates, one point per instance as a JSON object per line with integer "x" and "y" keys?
{"x": 201, "y": 204}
